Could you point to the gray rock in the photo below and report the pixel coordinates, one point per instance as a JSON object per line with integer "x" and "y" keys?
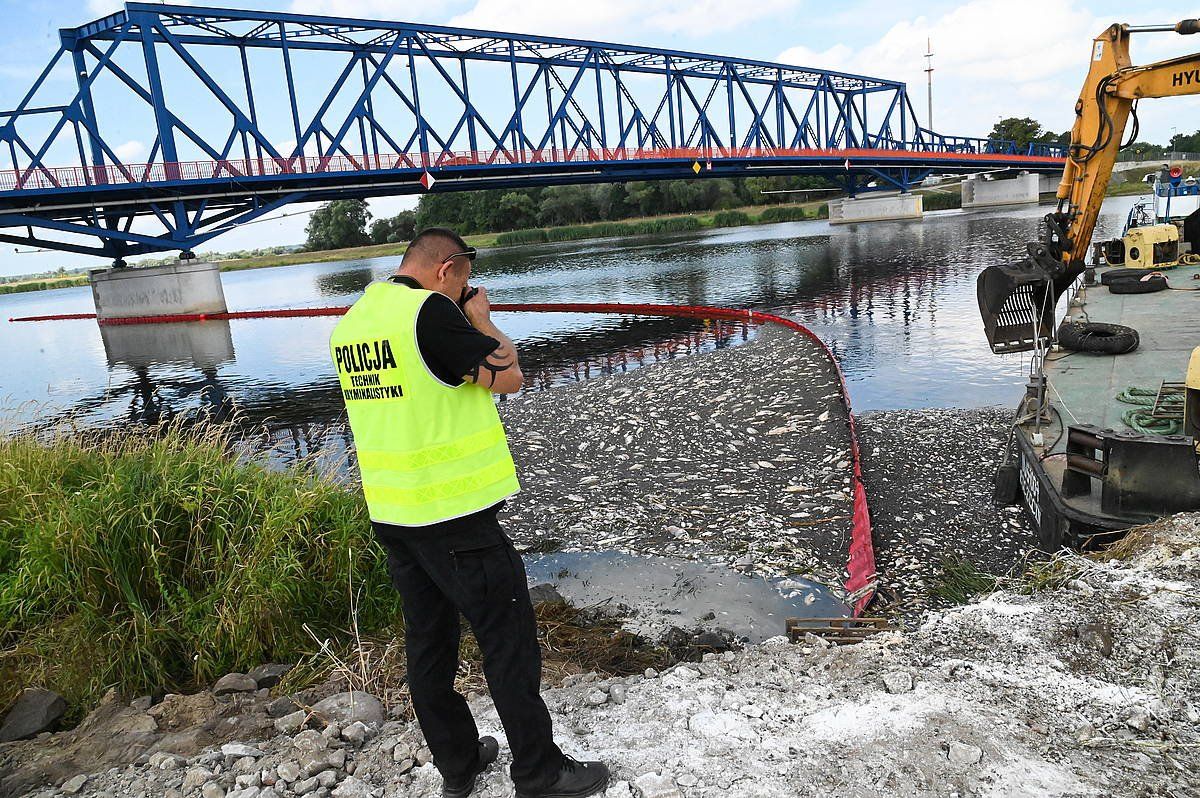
{"x": 74, "y": 784}
{"x": 345, "y": 708}
{"x": 268, "y": 675}
{"x": 35, "y": 711}
{"x": 898, "y": 682}
{"x": 249, "y": 780}
{"x": 240, "y": 750}
{"x": 142, "y": 703}
{"x": 327, "y": 778}
{"x": 655, "y": 785}
{"x": 269, "y": 792}
{"x": 288, "y": 771}
{"x": 596, "y": 698}
{"x": 620, "y": 789}
{"x": 357, "y": 733}
{"x": 234, "y": 683}
{"x": 617, "y": 693}
{"x": 964, "y": 753}
{"x": 196, "y": 777}
{"x": 332, "y": 731}
{"x": 212, "y": 790}
{"x": 402, "y": 750}
{"x": 352, "y": 788}
{"x": 281, "y": 706}
{"x": 290, "y": 724}
{"x": 310, "y": 740}
{"x": 164, "y": 760}
{"x": 313, "y": 762}
{"x": 336, "y": 759}
{"x": 306, "y": 786}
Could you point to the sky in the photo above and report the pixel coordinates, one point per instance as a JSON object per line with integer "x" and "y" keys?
{"x": 992, "y": 58}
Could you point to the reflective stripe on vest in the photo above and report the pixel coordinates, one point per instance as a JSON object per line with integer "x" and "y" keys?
{"x": 427, "y": 451}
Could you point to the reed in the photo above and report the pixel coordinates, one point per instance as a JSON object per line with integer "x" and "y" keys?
{"x": 161, "y": 558}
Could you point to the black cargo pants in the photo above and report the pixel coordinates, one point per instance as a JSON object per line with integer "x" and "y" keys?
{"x": 474, "y": 571}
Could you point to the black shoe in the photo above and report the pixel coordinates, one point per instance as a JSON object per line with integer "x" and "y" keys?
{"x": 461, "y": 788}
{"x": 574, "y": 780}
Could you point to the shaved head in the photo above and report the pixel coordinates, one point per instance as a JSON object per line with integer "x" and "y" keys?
{"x": 437, "y": 259}
{"x": 430, "y": 247}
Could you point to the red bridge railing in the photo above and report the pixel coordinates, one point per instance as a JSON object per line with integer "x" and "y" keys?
{"x": 53, "y": 177}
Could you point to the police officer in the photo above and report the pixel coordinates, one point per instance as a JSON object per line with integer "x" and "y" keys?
{"x": 418, "y": 360}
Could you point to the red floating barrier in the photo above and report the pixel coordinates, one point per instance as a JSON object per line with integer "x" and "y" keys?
{"x": 860, "y": 565}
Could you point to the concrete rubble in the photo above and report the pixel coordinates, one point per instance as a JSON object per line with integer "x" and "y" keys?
{"x": 1014, "y": 694}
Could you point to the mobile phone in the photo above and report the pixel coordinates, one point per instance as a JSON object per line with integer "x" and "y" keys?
{"x": 467, "y": 293}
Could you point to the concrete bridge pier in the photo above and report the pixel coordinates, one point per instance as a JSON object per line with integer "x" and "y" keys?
{"x": 188, "y": 286}
{"x": 979, "y": 192}
{"x": 869, "y": 208}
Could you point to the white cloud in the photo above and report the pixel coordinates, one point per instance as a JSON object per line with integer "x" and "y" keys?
{"x": 131, "y": 152}
{"x": 402, "y": 10}
{"x": 983, "y": 70}
{"x": 102, "y": 8}
{"x": 599, "y": 20}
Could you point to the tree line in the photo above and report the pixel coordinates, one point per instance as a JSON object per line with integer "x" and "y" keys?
{"x": 1025, "y": 131}
{"x": 348, "y": 223}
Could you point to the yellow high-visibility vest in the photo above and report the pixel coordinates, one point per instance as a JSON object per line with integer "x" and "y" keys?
{"x": 427, "y": 451}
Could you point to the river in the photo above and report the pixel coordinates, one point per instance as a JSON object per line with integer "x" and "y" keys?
{"x": 895, "y": 301}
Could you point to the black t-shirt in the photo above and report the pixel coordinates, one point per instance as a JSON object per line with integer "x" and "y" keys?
{"x": 448, "y": 343}
{"x": 450, "y": 347}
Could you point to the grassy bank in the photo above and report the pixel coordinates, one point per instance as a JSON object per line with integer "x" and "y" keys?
{"x": 666, "y": 224}
{"x": 155, "y": 560}
{"x": 757, "y": 214}
{"x": 42, "y": 284}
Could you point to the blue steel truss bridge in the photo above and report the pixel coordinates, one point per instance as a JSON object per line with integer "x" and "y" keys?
{"x": 160, "y": 127}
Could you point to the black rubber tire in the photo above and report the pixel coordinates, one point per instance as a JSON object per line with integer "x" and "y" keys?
{"x": 1094, "y": 336}
{"x": 1118, "y": 274}
{"x": 1147, "y": 285}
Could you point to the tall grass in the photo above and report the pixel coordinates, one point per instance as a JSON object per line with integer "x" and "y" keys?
{"x": 731, "y": 219}
{"x": 578, "y": 232}
{"x": 158, "y": 560}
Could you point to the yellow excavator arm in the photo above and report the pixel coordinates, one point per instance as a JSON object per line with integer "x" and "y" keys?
{"x": 1017, "y": 300}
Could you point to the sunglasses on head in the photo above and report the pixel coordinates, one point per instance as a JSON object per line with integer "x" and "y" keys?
{"x": 469, "y": 253}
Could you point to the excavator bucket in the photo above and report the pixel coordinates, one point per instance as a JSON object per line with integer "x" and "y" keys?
{"x": 1016, "y": 302}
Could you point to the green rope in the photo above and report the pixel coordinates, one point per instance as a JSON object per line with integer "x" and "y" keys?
{"x": 1140, "y": 418}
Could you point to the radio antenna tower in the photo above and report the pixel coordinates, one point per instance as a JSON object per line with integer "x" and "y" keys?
{"x": 929, "y": 78}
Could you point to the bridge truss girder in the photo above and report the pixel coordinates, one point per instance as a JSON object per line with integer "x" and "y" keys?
{"x": 215, "y": 91}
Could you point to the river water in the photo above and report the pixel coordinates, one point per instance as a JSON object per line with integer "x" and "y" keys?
{"x": 895, "y": 301}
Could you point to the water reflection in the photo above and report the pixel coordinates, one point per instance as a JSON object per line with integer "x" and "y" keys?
{"x": 345, "y": 283}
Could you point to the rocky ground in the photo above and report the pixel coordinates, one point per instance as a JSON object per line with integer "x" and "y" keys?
{"x": 738, "y": 456}
{"x": 1088, "y": 685}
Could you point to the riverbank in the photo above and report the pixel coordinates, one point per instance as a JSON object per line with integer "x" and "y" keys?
{"x": 1080, "y": 679}
{"x": 646, "y": 225}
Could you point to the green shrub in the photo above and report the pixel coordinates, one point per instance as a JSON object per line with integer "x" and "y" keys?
{"x": 941, "y": 200}
{"x": 534, "y": 235}
{"x": 731, "y": 219}
{"x": 156, "y": 559}
{"x": 786, "y": 213}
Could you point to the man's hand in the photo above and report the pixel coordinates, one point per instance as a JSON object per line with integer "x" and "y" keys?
{"x": 500, "y": 370}
{"x": 477, "y": 309}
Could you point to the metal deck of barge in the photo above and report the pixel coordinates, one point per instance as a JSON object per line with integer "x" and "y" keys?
{"x": 1081, "y": 390}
